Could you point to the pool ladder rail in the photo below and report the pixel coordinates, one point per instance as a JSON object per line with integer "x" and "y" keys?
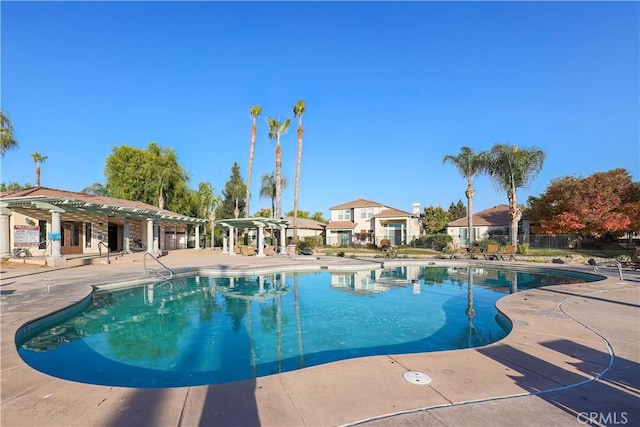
{"x": 165, "y": 272}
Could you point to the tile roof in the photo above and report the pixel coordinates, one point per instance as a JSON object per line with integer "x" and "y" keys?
{"x": 53, "y": 193}
{"x": 495, "y": 216}
{"x": 360, "y": 203}
{"x": 309, "y": 224}
{"x": 391, "y": 212}
{"x": 348, "y": 225}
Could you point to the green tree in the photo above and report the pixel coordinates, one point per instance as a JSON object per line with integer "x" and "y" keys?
{"x": 7, "y": 140}
{"x": 268, "y": 189}
{"x": 457, "y": 210}
{"x": 468, "y": 164}
{"x": 264, "y": 213}
{"x": 434, "y": 219}
{"x": 208, "y": 201}
{"x": 319, "y": 216}
{"x": 301, "y": 214}
{"x": 298, "y": 112}
{"x": 511, "y": 168}
{"x": 96, "y": 188}
{"x": 152, "y": 176}
{"x": 255, "y": 111}
{"x": 12, "y": 185}
{"x": 233, "y": 203}
{"x": 276, "y": 130}
{"x": 39, "y": 159}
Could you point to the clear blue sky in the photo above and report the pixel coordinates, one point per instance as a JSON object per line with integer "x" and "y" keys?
{"x": 390, "y": 88}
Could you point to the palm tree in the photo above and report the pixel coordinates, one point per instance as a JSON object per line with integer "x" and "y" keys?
{"x": 39, "y": 159}
{"x": 255, "y": 111}
{"x": 7, "y": 141}
{"x": 511, "y": 168}
{"x": 276, "y": 130}
{"x": 298, "y": 112}
{"x": 268, "y": 189}
{"x": 208, "y": 204}
{"x": 468, "y": 164}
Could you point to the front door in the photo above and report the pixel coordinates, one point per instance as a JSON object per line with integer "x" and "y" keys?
{"x": 70, "y": 238}
{"x": 113, "y": 237}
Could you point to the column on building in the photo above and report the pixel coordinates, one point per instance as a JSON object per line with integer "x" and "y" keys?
{"x": 56, "y": 259}
{"x": 162, "y": 242}
{"x": 283, "y": 236}
{"x": 232, "y": 243}
{"x": 260, "y": 240}
{"x": 5, "y": 233}
{"x": 197, "y": 246}
{"x": 150, "y": 239}
{"x": 126, "y": 234}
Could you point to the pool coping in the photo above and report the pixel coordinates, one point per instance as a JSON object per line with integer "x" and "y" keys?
{"x": 528, "y": 362}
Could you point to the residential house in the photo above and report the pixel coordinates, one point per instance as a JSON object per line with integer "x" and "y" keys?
{"x": 364, "y": 222}
{"x": 304, "y": 227}
{"x": 56, "y": 223}
{"x": 494, "y": 220}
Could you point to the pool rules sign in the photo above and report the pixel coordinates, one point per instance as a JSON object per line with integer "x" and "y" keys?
{"x": 26, "y": 236}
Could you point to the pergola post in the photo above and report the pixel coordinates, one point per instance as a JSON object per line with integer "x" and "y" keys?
{"x": 56, "y": 259}
{"x": 260, "y": 240}
{"x": 5, "y": 233}
{"x": 232, "y": 243}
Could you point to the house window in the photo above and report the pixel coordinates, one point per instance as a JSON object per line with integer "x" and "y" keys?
{"x": 43, "y": 234}
{"x": 87, "y": 235}
{"x": 344, "y": 215}
{"x": 366, "y": 213}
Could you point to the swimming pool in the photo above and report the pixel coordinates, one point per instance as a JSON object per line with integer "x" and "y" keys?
{"x": 206, "y": 330}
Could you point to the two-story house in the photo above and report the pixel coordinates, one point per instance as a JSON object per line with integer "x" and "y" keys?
{"x": 364, "y": 222}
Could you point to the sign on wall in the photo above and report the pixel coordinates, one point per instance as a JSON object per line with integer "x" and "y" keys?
{"x": 26, "y": 236}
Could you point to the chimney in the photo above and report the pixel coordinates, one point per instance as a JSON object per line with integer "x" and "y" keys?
{"x": 416, "y": 208}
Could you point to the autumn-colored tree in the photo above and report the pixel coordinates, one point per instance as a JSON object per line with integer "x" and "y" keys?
{"x": 603, "y": 204}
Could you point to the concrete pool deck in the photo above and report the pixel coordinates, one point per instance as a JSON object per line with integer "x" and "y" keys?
{"x": 573, "y": 356}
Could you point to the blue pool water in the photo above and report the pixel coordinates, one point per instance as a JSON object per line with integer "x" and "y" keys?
{"x": 206, "y": 330}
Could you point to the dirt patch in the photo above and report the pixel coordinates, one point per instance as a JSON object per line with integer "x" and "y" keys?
{"x": 11, "y": 265}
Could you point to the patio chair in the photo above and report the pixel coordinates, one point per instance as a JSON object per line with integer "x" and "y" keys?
{"x": 632, "y": 262}
{"x": 491, "y": 252}
{"x": 460, "y": 253}
{"x": 509, "y": 252}
{"x": 269, "y": 250}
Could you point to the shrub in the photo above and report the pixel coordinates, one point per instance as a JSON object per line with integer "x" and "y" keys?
{"x": 436, "y": 242}
{"x": 341, "y": 254}
{"x": 523, "y": 249}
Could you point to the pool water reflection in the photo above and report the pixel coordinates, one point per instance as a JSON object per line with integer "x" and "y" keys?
{"x": 205, "y": 330}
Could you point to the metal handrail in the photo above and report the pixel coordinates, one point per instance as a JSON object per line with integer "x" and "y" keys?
{"x": 609, "y": 262}
{"x": 100, "y": 244}
{"x": 157, "y": 272}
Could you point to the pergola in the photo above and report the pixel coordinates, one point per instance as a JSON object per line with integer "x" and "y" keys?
{"x": 258, "y": 223}
{"x": 74, "y": 206}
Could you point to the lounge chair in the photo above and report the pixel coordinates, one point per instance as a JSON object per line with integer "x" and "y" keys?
{"x": 269, "y": 250}
{"x": 509, "y": 252}
{"x": 632, "y": 262}
{"x": 491, "y": 252}
{"x": 460, "y": 253}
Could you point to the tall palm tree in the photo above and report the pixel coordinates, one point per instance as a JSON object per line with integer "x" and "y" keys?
{"x": 276, "y": 130}
{"x": 268, "y": 189}
{"x": 511, "y": 168}
{"x": 255, "y": 111}
{"x": 39, "y": 159}
{"x": 468, "y": 164}
{"x": 298, "y": 112}
{"x": 7, "y": 141}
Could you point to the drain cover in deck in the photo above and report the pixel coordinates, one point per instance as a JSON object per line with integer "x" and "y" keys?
{"x": 417, "y": 378}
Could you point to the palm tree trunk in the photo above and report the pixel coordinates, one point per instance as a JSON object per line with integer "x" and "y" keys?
{"x": 297, "y": 185}
{"x": 37, "y": 174}
{"x": 251, "y": 154}
{"x": 515, "y": 213}
{"x": 278, "y": 178}
{"x": 470, "y": 193}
